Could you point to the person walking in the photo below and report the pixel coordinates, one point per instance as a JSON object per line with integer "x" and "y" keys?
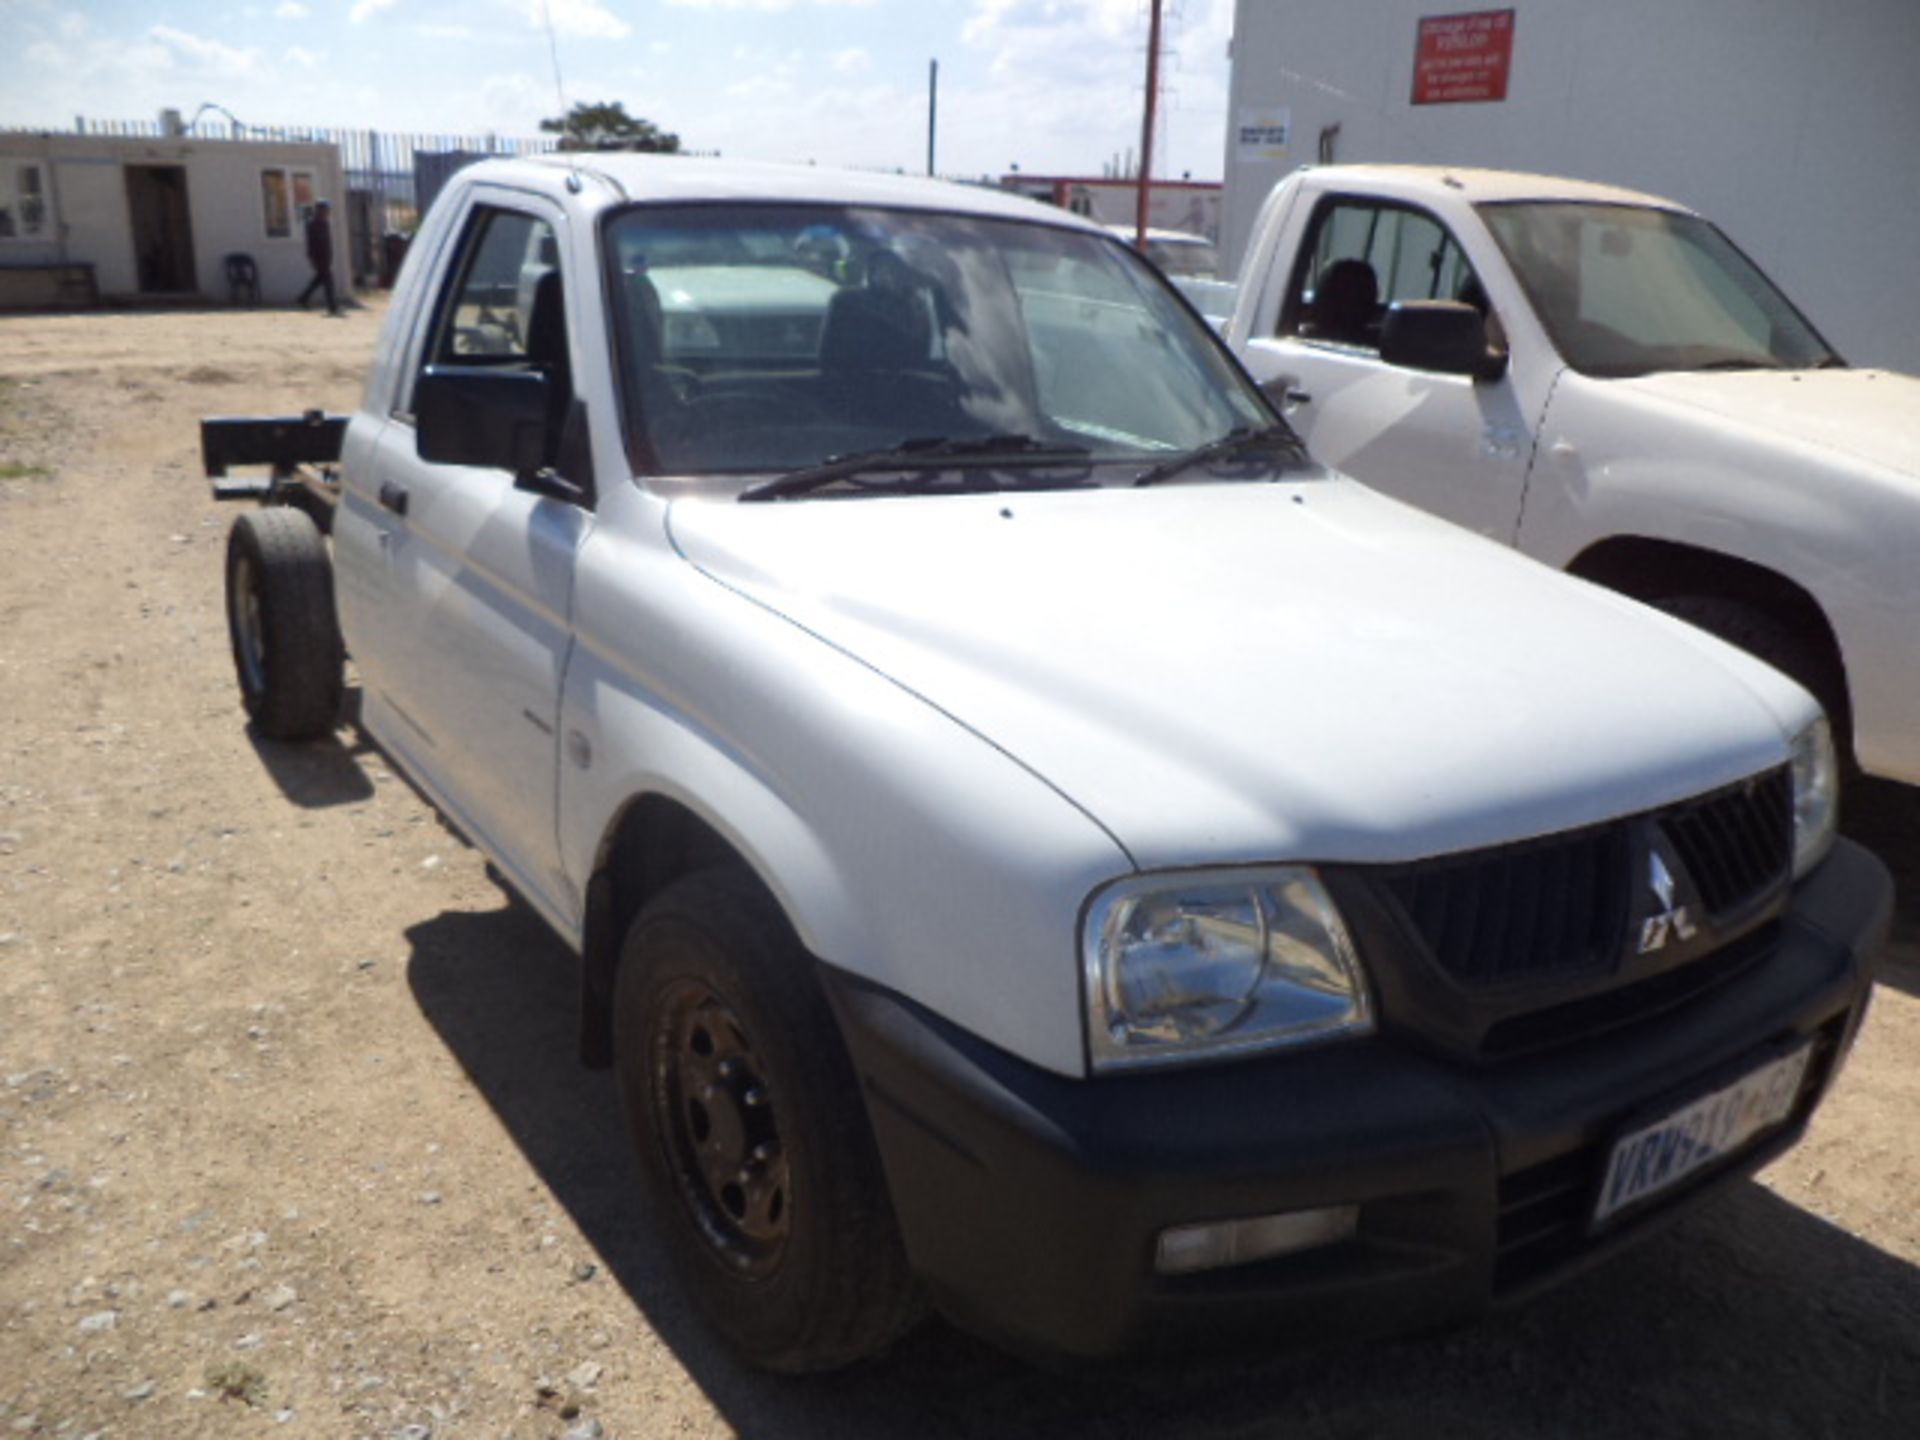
{"x": 320, "y": 255}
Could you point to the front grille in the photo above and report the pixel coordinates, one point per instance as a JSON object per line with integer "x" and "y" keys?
{"x": 1627, "y": 1004}
{"x": 1559, "y": 907}
{"x": 1547, "y": 908}
{"x": 1736, "y": 843}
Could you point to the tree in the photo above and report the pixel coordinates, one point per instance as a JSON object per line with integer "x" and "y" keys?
{"x": 605, "y": 125}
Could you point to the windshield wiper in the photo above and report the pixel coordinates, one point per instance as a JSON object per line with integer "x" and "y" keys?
{"x": 1236, "y": 441}
{"x": 1741, "y": 362}
{"x": 921, "y": 454}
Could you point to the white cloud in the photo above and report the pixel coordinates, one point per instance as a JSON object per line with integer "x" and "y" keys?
{"x": 783, "y": 64}
{"x": 302, "y": 57}
{"x": 875, "y": 125}
{"x": 766, "y": 5}
{"x": 1064, "y": 85}
{"x": 760, "y": 87}
{"x": 364, "y": 10}
{"x": 509, "y": 105}
{"x": 209, "y": 56}
{"x": 1007, "y": 19}
{"x": 574, "y": 17}
{"x": 852, "y": 61}
{"x": 291, "y": 10}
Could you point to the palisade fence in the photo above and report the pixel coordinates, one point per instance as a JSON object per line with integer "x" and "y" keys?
{"x": 391, "y": 175}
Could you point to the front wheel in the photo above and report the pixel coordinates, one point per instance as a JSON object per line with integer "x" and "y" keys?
{"x": 287, "y": 651}
{"x": 751, "y": 1132}
{"x": 1785, "y": 648}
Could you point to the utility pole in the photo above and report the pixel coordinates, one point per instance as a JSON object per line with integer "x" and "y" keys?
{"x": 933, "y": 107}
{"x": 1146, "y": 128}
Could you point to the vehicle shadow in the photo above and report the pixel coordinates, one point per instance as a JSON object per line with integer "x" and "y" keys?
{"x": 1885, "y": 818}
{"x": 315, "y": 774}
{"x": 1754, "y": 1317}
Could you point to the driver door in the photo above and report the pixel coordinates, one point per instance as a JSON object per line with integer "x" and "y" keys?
{"x": 1449, "y": 444}
{"x": 481, "y": 570}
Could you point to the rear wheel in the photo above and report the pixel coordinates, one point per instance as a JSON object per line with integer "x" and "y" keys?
{"x": 287, "y": 652}
{"x": 751, "y": 1133}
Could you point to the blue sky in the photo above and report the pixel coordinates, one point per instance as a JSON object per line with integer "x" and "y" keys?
{"x": 1053, "y": 85}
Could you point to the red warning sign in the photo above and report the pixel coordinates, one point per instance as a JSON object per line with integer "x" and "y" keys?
{"x": 1463, "y": 57}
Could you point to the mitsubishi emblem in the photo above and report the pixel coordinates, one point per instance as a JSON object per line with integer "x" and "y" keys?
{"x": 1671, "y": 919}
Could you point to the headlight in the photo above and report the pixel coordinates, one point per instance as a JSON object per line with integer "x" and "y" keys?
{"x": 1816, "y": 796}
{"x": 1214, "y": 963}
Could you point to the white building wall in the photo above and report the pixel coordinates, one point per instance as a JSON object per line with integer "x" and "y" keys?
{"x": 88, "y": 194}
{"x": 1789, "y": 124}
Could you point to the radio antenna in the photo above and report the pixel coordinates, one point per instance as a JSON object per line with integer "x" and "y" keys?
{"x": 559, "y": 89}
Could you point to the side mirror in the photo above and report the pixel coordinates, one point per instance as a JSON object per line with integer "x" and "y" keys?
{"x": 1442, "y": 335}
{"x": 482, "y": 415}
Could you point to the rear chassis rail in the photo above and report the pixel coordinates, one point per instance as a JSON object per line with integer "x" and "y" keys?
{"x": 300, "y": 453}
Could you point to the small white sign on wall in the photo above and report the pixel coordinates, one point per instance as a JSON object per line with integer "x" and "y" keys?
{"x": 1262, "y": 134}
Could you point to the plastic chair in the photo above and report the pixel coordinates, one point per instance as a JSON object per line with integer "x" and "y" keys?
{"x": 243, "y": 279}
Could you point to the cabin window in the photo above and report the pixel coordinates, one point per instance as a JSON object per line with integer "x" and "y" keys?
{"x": 286, "y": 198}
{"x": 24, "y": 213}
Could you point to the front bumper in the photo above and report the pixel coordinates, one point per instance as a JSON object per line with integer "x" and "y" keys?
{"x": 1031, "y": 1203}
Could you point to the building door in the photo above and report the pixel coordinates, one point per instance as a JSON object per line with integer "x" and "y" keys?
{"x": 162, "y": 231}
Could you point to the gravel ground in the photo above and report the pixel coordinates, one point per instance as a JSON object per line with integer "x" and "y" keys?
{"x": 292, "y": 1140}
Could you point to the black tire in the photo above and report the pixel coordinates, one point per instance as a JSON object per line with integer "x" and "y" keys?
{"x": 1779, "y": 645}
{"x": 280, "y": 618}
{"x": 1761, "y": 636}
{"x": 750, "y": 1131}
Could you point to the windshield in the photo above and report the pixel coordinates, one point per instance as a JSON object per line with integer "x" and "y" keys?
{"x": 1194, "y": 257}
{"x": 760, "y": 338}
{"x": 1628, "y": 290}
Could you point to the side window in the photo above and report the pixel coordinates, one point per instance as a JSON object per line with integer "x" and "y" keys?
{"x": 276, "y": 204}
{"x": 503, "y": 306}
{"x": 23, "y": 202}
{"x": 1362, "y": 257}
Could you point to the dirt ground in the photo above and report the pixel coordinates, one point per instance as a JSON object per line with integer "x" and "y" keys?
{"x": 292, "y": 1140}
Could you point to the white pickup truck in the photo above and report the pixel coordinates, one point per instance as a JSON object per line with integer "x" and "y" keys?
{"x": 1037, "y": 842}
{"x": 1602, "y": 379}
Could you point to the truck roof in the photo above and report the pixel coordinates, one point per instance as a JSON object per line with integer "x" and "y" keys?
{"x": 631, "y": 177}
{"x": 1476, "y": 185}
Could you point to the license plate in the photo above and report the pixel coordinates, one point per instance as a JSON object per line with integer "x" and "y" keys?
{"x": 1659, "y": 1156}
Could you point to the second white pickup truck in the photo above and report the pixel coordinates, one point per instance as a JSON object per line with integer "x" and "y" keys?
{"x": 1602, "y": 379}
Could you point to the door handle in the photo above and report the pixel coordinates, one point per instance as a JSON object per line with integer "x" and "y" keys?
{"x": 393, "y": 495}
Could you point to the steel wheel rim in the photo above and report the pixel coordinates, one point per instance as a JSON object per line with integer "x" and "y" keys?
{"x": 249, "y": 629}
{"x": 714, "y": 1117}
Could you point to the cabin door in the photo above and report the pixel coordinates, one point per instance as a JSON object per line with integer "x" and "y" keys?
{"x": 162, "y": 229}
